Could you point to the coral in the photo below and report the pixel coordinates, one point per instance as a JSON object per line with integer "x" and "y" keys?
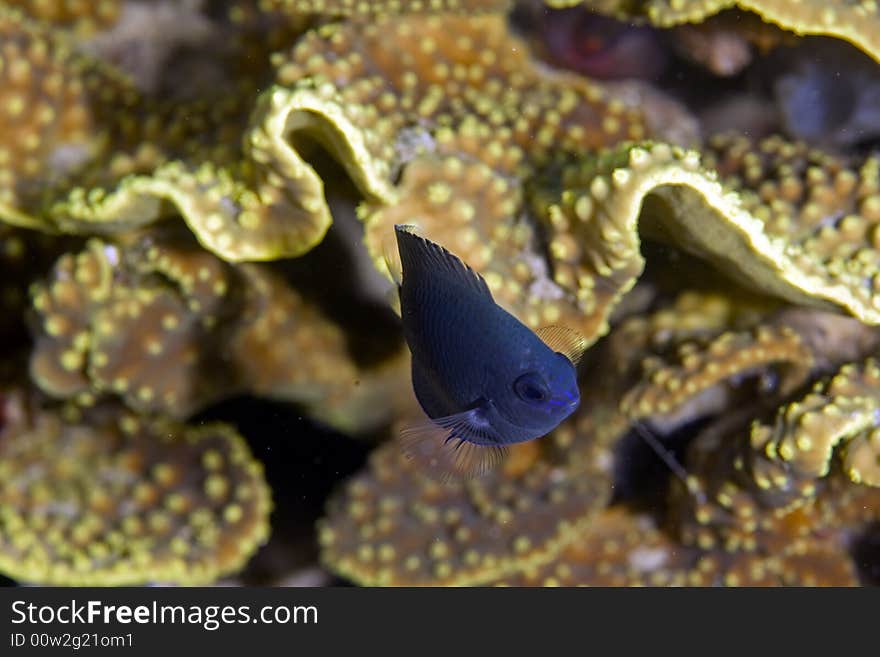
{"x": 623, "y": 548}
{"x": 856, "y": 22}
{"x": 819, "y": 105}
{"x": 107, "y": 498}
{"x": 724, "y": 528}
{"x": 392, "y": 525}
{"x": 284, "y": 347}
{"x": 704, "y": 353}
{"x": 797, "y": 534}
{"x": 767, "y": 502}
{"x": 616, "y": 549}
{"x": 598, "y": 46}
{"x": 82, "y": 17}
{"x": 107, "y": 303}
{"x": 779, "y": 464}
{"x": 156, "y": 151}
{"x": 170, "y": 328}
{"x": 48, "y": 130}
{"x": 360, "y": 8}
{"x": 146, "y": 35}
{"x": 101, "y": 158}
{"x": 265, "y": 201}
{"x": 785, "y": 220}
{"x": 482, "y": 75}
{"x": 841, "y": 410}
{"x": 700, "y": 364}
{"x": 462, "y": 121}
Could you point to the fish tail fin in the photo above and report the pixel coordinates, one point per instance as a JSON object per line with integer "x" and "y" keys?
{"x": 443, "y": 455}
{"x": 668, "y": 458}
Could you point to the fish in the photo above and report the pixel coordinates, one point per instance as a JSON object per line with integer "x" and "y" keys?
{"x": 484, "y": 379}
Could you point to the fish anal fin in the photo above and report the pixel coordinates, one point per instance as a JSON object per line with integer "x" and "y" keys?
{"x": 564, "y": 340}
{"x": 414, "y": 248}
{"x": 442, "y": 450}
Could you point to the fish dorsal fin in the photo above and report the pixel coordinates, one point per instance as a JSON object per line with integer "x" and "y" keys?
{"x": 459, "y": 446}
{"x": 392, "y": 296}
{"x": 417, "y": 251}
{"x": 564, "y": 340}
{"x": 392, "y": 264}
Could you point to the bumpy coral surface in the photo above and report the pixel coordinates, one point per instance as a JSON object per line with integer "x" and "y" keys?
{"x": 170, "y": 328}
{"x": 745, "y": 514}
{"x": 197, "y": 203}
{"x": 113, "y": 499}
{"x": 396, "y": 526}
{"x": 855, "y": 22}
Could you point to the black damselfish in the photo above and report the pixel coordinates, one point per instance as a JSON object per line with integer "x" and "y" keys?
{"x": 483, "y": 378}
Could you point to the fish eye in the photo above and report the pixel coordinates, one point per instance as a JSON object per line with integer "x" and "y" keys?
{"x": 531, "y": 388}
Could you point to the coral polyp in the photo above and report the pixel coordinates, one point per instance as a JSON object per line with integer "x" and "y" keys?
{"x": 196, "y": 217}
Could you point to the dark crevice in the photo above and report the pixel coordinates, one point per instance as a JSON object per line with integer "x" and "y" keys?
{"x": 333, "y": 276}
{"x": 303, "y": 462}
{"x": 641, "y": 478}
{"x": 865, "y": 552}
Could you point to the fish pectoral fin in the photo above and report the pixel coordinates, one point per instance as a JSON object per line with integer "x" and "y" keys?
{"x": 463, "y": 445}
{"x": 564, "y": 340}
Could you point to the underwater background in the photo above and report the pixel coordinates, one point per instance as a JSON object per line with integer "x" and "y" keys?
{"x": 203, "y": 370}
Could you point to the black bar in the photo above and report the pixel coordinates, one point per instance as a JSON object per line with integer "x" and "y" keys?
{"x": 329, "y": 621}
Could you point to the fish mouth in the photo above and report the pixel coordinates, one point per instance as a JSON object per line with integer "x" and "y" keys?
{"x": 568, "y": 402}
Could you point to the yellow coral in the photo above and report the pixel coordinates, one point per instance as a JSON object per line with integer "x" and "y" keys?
{"x": 701, "y": 365}
{"x": 110, "y": 499}
{"x": 800, "y": 443}
{"x": 83, "y": 17}
{"x": 464, "y": 120}
{"x": 104, "y": 334}
{"x": 383, "y": 7}
{"x": 170, "y": 328}
{"x": 394, "y": 526}
{"x": 728, "y": 219}
{"x": 856, "y": 22}
{"x": 97, "y": 157}
{"x": 441, "y": 118}
{"x": 617, "y": 548}
{"x": 722, "y": 529}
